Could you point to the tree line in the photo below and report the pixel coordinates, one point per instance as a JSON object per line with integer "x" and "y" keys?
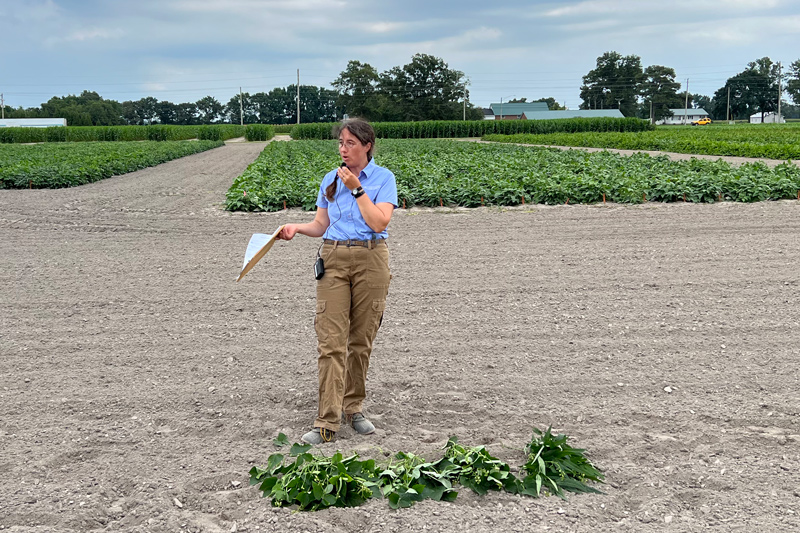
{"x": 424, "y": 89}
{"x": 428, "y": 89}
{"x": 620, "y": 82}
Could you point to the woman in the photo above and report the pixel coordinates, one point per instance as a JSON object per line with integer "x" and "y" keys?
{"x": 354, "y": 206}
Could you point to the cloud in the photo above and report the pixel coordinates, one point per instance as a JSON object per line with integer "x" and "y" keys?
{"x": 255, "y": 7}
{"x": 384, "y": 27}
{"x": 676, "y": 10}
{"x": 94, "y": 33}
{"x": 32, "y": 11}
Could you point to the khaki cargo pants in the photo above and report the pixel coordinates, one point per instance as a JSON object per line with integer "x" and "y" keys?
{"x": 351, "y": 299}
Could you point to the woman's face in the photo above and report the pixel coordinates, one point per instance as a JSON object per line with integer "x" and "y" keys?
{"x": 352, "y": 151}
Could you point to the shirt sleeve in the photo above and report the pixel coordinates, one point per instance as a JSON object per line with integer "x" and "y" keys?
{"x": 388, "y": 191}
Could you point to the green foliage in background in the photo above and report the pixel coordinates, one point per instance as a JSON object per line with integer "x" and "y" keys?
{"x": 431, "y": 129}
{"x": 773, "y": 141}
{"x": 259, "y": 132}
{"x": 119, "y": 133}
{"x": 471, "y": 174}
{"x": 314, "y": 482}
{"x": 283, "y": 129}
{"x": 43, "y": 166}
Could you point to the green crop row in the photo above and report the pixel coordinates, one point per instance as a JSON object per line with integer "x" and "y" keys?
{"x": 442, "y": 172}
{"x": 120, "y": 133}
{"x": 283, "y": 129}
{"x": 67, "y": 164}
{"x": 770, "y": 141}
{"x": 476, "y": 128}
{"x": 259, "y": 132}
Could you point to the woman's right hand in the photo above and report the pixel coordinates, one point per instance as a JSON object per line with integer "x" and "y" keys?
{"x": 287, "y": 233}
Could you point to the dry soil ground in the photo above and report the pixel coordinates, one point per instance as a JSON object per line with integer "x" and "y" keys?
{"x": 136, "y": 374}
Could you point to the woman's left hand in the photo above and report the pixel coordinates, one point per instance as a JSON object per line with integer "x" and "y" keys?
{"x": 349, "y": 179}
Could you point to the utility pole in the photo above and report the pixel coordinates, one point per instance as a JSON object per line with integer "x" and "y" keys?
{"x": 778, "y": 118}
{"x": 298, "y": 96}
{"x": 651, "y": 110}
{"x": 686, "y": 103}
{"x": 465, "y": 102}
{"x": 241, "y": 108}
{"x": 728, "y": 112}
{"x": 2, "y": 106}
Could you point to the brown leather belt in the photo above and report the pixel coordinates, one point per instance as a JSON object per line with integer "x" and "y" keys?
{"x": 350, "y": 242}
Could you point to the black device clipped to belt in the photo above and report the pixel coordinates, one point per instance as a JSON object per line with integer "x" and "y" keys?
{"x": 319, "y": 264}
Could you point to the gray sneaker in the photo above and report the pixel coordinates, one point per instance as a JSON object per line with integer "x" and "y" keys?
{"x": 361, "y": 424}
{"x": 318, "y": 436}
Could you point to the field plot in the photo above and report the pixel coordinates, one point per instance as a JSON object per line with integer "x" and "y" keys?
{"x": 442, "y": 172}
{"x": 141, "y": 383}
{"x": 67, "y": 165}
{"x": 770, "y": 141}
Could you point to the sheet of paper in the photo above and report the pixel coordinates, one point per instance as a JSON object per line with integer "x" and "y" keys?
{"x": 259, "y": 244}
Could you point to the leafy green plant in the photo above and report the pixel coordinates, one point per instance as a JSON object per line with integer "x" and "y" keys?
{"x": 315, "y": 482}
{"x": 555, "y": 466}
{"x": 258, "y": 132}
{"x": 477, "y": 469}
{"x": 409, "y": 478}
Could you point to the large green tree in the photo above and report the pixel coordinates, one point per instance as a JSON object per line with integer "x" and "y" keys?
{"x": 86, "y": 109}
{"x": 425, "y": 89}
{"x": 613, "y": 84}
{"x": 141, "y": 112}
{"x": 209, "y": 110}
{"x": 793, "y": 83}
{"x": 357, "y": 87}
{"x": 659, "y": 92}
{"x": 754, "y": 90}
{"x": 242, "y": 104}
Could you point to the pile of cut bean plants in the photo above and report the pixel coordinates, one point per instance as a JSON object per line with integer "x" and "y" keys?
{"x": 314, "y": 482}
{"x": 452, "y": 173}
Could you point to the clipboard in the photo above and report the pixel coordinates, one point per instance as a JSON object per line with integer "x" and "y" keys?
{"x": 259, "y": 245}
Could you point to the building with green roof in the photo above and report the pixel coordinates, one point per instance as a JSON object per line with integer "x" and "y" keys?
{"x": 573, "y": 113}
{"x": 506, "y": 111}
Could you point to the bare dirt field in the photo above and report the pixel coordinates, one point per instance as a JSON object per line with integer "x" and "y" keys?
{"x": 140, "y": 383}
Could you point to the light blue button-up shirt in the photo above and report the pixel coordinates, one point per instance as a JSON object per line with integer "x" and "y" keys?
{"x": 346, "y": 221}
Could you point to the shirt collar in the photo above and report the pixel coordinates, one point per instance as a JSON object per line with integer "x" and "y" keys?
{"x": 370, "y": 168}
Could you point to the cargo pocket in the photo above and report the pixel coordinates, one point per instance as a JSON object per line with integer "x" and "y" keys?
{"x": 378, "y": 308}
{"x": 319, "y": 321}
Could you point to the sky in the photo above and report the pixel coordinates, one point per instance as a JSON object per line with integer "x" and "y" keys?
{"x": 183, "y": 50}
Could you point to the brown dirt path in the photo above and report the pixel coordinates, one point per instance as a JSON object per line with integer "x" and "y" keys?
{"x": 136, "y": 374}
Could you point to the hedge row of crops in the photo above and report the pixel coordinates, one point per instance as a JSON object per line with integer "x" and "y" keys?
{"x": 441, "y": 172}
{"x": 283, "y": 129}
{"x": 259, "y": 132}
{"x": 476, "y": 128}
{"x": 65, "y": 165}
{"x": 214, "y": 132}
{"x": 770, "y": 141}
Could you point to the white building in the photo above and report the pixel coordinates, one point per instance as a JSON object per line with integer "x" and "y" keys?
{"x": 32, "y": 122}
{"x": 684, "y": 116}
{"x": 768, "y": 118}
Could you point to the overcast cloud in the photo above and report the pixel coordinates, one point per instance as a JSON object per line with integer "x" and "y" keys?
{"x": 182, "y": 50}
